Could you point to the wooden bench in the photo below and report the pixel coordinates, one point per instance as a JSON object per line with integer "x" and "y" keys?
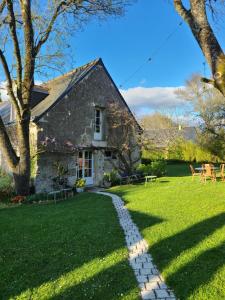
{"x": 54, "y": 193}
{"x": 150, "y": 178}
{"x": 131, "y": 178}
{"x": 63, "y": 193}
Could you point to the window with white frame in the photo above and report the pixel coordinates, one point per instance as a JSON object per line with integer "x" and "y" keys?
{"x": 98, "y": 124}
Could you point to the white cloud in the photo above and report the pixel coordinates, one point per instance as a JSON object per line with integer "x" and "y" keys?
{"x": 142, "y": 99}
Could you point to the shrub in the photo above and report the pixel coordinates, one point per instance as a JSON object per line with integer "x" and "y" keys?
{"x": 189, "y": 152}
{"x": 114, "y": 177}
{"x": 144, "y": 169}
{"x": 106, "y": 177}
{"x": 111, "y": 177}
{"x": 36, "y": 198}
{"x": 152, "y": 155}
{"x": 158, "y": 168}
{"x": 6, "y": 187}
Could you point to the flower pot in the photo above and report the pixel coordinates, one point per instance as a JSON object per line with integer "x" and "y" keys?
{"x": 80, "y": 189}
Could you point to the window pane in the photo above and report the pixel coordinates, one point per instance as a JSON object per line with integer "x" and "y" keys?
{"x": 97, "y": 113}
{"x": 86, "y": 173}
{"x": 97, "y": 120}
{"x": 108, "y": 154}
{"x": 90, "y": 164}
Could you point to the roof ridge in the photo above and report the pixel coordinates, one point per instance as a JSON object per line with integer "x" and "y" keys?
{"x": 89, "y": 64}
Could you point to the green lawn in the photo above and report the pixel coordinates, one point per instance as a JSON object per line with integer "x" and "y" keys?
{"x": 72, "y": 250}
{"x": 184, "y": 224}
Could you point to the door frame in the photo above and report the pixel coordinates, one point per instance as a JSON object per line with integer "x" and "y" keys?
{"x": 89, "y": 179}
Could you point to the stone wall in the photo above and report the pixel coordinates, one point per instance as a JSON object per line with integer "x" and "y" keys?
{"x": 47, "y": 170}
{"x": 72, "y": 118}
{"x": 69, "y": 126}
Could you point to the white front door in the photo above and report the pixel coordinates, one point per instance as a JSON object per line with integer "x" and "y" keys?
{"x": 85, "y": 166}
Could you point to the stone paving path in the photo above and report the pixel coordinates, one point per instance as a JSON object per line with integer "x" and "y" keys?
{"x": 148, "y": 277}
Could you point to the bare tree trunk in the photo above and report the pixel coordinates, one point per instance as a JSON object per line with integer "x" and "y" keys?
{"x": 21, "y": 172}
{"x": 197, "y": 20}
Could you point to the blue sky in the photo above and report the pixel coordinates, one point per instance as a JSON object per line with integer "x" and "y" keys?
{"x": 126, "y": 43}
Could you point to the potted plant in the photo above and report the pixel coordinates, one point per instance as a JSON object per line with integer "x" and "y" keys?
{"x": 107, "y": 180}
{"x": 80, "y": 184}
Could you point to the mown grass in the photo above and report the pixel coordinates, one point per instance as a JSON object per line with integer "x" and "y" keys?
{"x": 72, "y": 250}
{"x": 184, "y": 224}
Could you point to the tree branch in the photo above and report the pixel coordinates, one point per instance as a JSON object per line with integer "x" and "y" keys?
{"x": 48, "y": 30}
{"x": 9, "y": 83}
{"x": 209, "y": 81}
{"x": 2, "y": 6}
{"x": 12, "y": 26}
{"x": 183, "y": 12}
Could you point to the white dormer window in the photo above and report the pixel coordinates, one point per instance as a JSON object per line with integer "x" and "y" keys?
{"x": 98, "y": 124}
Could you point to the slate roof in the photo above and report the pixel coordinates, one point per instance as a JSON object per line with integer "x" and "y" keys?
{"x": 59, "y": 87}
{"x": 161, "y": 137}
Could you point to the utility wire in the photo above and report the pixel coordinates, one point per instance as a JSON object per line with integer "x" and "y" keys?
{"x": 154, "y": 53}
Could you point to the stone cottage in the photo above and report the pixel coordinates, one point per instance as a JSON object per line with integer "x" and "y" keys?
{"x": 69, "y": 128}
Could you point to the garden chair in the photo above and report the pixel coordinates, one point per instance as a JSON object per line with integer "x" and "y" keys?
{"x": 222, "y": 168}
{"x": 194, "y": 173}
{"x": 209, "y": 172}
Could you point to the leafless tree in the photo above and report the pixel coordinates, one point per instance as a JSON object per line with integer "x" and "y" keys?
{"x": 157, "y": 120}
{"x": 124, "y": 137}
{"x": 209, "y": 108}
{"x": 26, "y": 27}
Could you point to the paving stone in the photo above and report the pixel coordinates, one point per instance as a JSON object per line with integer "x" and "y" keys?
{"x": 155, "y": 271}
{"x": 162, "y": 285}
{"x": 148, "y": 265}
{"x": 141, "y": 278}
{"x": 154, "y": 278}
{"x": 144, "y": 271}
{"x": 161, "y": 293}
{"x": 142, "y": 286}
{"x": 136, "y": 265}
{"x": 141, "y": 259}
{"x": 151, "y": 285}
{"x": 148, "y": 295}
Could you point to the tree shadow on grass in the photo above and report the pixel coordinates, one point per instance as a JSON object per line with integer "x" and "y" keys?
{"x": 170, "y": 248}
{"x": 42, "y": 243}
{"x": 199, "y": 272}
{"x": 202, "y": 268}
